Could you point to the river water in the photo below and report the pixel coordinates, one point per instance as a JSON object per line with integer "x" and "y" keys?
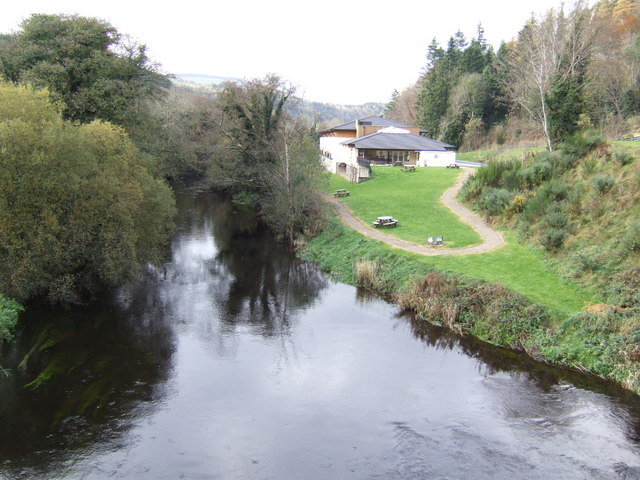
{"x": 236, "y": 361}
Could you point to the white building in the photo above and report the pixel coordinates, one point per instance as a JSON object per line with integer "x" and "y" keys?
{"x": 350, "y": 149}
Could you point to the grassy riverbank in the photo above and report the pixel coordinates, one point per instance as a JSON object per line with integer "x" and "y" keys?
{"x": 510, "y": 296}
{"x": 414, "y": 199}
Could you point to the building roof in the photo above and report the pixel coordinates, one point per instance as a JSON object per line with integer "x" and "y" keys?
{"x": 398, "y": 141}
{"x": 368, "y": 121}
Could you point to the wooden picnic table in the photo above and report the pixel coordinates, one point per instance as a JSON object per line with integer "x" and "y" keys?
{"x": 385, "y": 221}
{"x": 341, "y": 193}
{"x": 453, "y": 165}
{"x": 409, "y": 168}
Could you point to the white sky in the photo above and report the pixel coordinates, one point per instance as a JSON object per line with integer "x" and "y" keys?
{"x": 336, "y": 51}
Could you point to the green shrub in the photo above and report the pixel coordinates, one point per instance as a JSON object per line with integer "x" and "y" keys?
{"x": 536, "y": 174}
{"x": 9, "y": 313}
{"x": 623, "y": 158}
{"x": 577, "y": 146}
{"x": 553, "y": 239}
{"x": 494, "y": 201}
{"x": 631, "y": 239}
{"x": 553, "y": 191}
{"x": 603, "y": 183}
{"x": 556, "y": 220}
{"x": 493, "y": 174}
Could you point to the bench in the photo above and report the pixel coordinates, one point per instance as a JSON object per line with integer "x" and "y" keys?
{"x": 390, "y": 223}
{"x": 409, "y": 168}
{"x": 453, "y": 165}
{"x": 438, "y": 241}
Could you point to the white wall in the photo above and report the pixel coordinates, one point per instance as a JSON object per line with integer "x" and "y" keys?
{"x": 436, "y": 159}
{"x": 339, "y": 153}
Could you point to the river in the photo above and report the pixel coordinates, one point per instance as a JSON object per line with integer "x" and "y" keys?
{"x": 234, "y": 360}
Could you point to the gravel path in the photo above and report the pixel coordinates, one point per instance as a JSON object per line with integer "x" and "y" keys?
{"x": 490, "y": 238}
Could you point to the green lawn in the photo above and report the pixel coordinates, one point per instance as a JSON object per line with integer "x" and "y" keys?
{"x": 522, "y": 269}
{"x": 413, "y": 198}
{"x": 405, "y": 195}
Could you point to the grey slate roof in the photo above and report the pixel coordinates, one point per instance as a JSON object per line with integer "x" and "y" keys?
{"x": 372, "y": 120}
{"x": 398, "y": 141}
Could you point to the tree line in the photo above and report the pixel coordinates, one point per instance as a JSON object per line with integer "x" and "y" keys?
{"x": 568, "y": 70}
{"x": 92, "y": 137}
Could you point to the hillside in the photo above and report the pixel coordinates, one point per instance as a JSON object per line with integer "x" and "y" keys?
{"x": 581, "y": 205}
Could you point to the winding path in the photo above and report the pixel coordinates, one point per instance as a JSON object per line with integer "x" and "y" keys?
{"x": 491, "y": 239}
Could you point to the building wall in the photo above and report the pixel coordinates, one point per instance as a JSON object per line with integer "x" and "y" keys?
{"x": 436, "y": 159}
{"x": 333, "y": 152}
{"x": 344, "y": 134}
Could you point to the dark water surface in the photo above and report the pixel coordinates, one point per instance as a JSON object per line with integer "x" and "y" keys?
{"x": 235, "y": 361}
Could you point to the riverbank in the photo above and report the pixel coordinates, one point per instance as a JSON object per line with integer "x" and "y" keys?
{"x": 554, "y": 334}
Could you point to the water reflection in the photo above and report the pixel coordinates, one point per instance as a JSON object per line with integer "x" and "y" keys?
{"x": 80, "y": 378}
{"x": 235, "y": 361}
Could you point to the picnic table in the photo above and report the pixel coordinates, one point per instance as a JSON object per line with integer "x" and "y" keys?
{"x": 341, "y": 193}
{"x": 385, "y": 221}
{"x": 409, "y": 168}
{"x": 453, "y": 165}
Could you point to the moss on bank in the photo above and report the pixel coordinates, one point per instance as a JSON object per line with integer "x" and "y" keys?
{"x": 581, "y": 340}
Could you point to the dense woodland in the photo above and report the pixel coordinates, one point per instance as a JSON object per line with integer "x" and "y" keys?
{"x": 567, "y": 71}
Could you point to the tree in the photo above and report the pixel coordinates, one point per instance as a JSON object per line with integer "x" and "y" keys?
{"x": 551, "y": 51}
{"x": 90, "y": 68}
{"x": 249, "y": 117}
{"x": 458, "y": 86}
{"x": 291, "y": 204}
{"x": 79, "y": 209}
{"x": 404, "y": 106}
{"x": 268, "y": 153}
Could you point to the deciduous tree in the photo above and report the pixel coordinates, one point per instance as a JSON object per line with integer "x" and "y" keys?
{"x": 79, "y": 208}
{"x": 552, "y": 50}
{"x": 94, "y": 71}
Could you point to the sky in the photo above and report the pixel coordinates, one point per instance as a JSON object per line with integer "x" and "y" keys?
{"x": 333, "y": 51}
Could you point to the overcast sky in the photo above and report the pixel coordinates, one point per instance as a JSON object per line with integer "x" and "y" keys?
{"x": 337, "y": 51}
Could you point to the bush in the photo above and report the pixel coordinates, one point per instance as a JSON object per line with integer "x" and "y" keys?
{"x": 553, "y": 239}
{"x": 589, "y": 165}
{"x": 492, "y": 175}
{"x": 631, "y": 239}
{"x": 518, "y": 204}
{"x": 556, "y": 220}
{"x": 623, "y": 158}
{"x": 603, "y": 183}
{"x": 494, "y": 201}
{"x": 9, "y": 313}
{"x": 577, "y": 146}
{"x": 553, "y": 191}
{"x": 536, "y": 174}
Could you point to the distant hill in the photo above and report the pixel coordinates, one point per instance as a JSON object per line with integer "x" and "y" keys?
{"x": 328, "y": 115}
{"x": 202, "y": 80}
{"x": 322, "y": 114}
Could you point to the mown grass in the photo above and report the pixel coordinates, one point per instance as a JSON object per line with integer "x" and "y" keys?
{"x": 522, "y": 269}
{"x": 514, "y": 266}
{"x": 413, "y": 198}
